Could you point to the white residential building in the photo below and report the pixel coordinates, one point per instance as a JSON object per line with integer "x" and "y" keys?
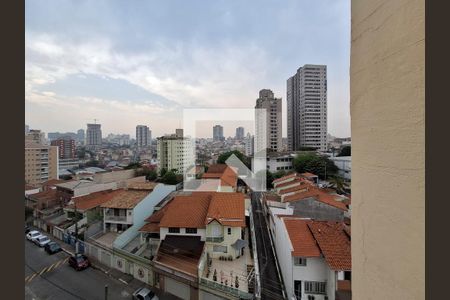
{"x": 307, "y": 108}
{"x": 344, "y": 164}
{"x": 174, "y": 152}
{"x": 314, "y": 258}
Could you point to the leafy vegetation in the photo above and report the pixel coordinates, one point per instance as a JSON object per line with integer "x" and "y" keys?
{"x": 345, "y": 151}
{"x": 314, "y": 163}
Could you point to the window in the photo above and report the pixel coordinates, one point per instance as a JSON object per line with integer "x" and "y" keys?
{"x": 229, "y": 231}
{"x": 222, "y": 249}
{"x": 191, "y": 230}
{"x": 299, "y": 261}
{"x": 174, "y": 230}
{"x": 298, "y": 289}
{"x": 311, "y": 297}
{"x": 315, "y": 287}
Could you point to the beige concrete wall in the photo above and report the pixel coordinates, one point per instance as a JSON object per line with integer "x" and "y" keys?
{"x": 388, "y": 140}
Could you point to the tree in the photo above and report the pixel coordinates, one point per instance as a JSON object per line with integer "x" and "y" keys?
{"x": 345, "y": 151}
{"x": 224, "y": 156}
{"x": 316, "y": 164}
{"x": 162, "y": 172}
{"x": 169, "y": 178}
{"x": 339, "y": 184}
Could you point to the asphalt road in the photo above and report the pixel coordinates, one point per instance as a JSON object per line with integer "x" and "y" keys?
{"x": 271, "y": 287}
{"x": 51, "y": 277}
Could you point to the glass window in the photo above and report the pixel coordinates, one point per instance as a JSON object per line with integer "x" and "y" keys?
{"x": 191, "y": 230}
{"x": 174, "y": 230}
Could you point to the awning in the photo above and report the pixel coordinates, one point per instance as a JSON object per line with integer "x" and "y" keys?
{"x": 239, "y": 244}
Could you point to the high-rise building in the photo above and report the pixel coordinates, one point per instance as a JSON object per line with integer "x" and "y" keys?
{"x": 218, "y": 133}
{"x": 41, "y": 162}
{"x": 249, "y": 144}
{"x": 307, "y": 108}
{"x": 143, "y": 136}
{"x": 93, "y": 136}
{"x": 174, "y": 152}
{"x": 66, "y": 147}
{"x": 80, "y": 136}
{"x": 240, "y": 133}
{"x": 35, "y": 136}
{"x": 272, "y": 123}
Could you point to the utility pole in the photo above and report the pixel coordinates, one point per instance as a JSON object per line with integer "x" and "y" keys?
{"x": 106, "y": 292}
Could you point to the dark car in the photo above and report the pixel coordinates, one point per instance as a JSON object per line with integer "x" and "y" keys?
{"x": 79, "y": 262}
{"x": 27, "y": 229}
{"x": 52, "y": 248}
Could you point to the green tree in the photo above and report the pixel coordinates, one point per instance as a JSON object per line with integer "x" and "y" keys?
{"x": 345, "y": 151}
{"x": 169, "y": 178}
{"x": 316, "y": 164}
{"x": 338, "y": 184}
{"x": 162, "y": 172}
{"x": 224, "y": 156}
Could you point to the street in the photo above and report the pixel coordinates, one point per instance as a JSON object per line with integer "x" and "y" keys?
{"x": 51, "y": 277}
{"x": 271, "y": 287}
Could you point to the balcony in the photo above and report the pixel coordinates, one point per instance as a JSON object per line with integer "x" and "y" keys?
{"x": 115, "y": 218}
{"x": 216, "y": 239}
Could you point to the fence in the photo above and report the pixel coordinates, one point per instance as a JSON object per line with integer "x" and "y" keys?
{"x": 226, "y": 289}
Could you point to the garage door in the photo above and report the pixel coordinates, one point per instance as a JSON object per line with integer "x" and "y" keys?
{"x": 177, "y": 288}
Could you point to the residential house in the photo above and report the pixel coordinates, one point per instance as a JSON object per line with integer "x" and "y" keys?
{"x": 314, "y": 258}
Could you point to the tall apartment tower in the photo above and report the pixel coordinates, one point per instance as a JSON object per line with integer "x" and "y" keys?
{"x": 307, "y": 108}
{"x": 66, "y": 147}
{"x": 143, "y": 136}
{"x": 218, "y": 133}
{"x": 240, "y": 133}
{"x": 93, "y": 136}
{"x": 81, "y": 136}
{"x": 272, "y": 122}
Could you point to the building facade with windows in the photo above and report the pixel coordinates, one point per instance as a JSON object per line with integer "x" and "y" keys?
{"x": 143, "y": 136}
{"x": 218, "y": 133}
{"x": 66, "y": 147}
{"x": 307, "y": 108}
{"x": 271, "y": 124}
{"x": 93, "y": 136}
{"x": 175, "y": 152}
{"x": 41, "y": 163}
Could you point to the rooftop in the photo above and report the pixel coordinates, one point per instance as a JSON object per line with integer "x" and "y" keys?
{"x": 302, "y": 240}
{"x": 125, "y": 199}
{"x": 317, "y": 194}
{"x": 92, "y": 200}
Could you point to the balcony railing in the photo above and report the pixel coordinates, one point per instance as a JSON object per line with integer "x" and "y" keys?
{"x": 226, "y": 289}
{"x": 115, "y": 218}
{"x": 216, "y": 239}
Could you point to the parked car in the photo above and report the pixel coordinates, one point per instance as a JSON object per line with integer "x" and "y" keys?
{"x": 42, "y": 240}
{"x": 52, "y": 248}
{"x": 32, "y": 235}
{"x": 79, "y": 262}
{"x": 144, "y": 294}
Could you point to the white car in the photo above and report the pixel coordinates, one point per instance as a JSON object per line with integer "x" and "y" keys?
{"x": 42, "y": 240}
{"x": 32, "y": 235}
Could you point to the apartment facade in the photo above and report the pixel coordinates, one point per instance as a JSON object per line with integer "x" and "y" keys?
{"x": 41, "y": 163}
{"x": 143, "y": 136}
{"x": 272, "y": 123}
{"x": 66, "y": 147}
{"x": 307, "y": 108}
{"x": 93, "y": 136}
{"x": 174, "y": 152}
{"x": 240, "y": 133}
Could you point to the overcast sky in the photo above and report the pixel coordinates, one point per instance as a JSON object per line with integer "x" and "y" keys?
{"x": 141, "y": 62}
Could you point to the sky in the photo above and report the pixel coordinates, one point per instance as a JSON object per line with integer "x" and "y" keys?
{"x": 127, "y": 63}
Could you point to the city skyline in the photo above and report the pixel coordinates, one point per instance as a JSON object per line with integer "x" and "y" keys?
{"x": 82, "y": 65}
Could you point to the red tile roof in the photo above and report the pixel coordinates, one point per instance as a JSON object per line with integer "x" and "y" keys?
{"x": 227, "y": 208}
{"x": 334, "y": 244}
{"x": 284, "y": 178}
{"x": 287, "y": 183}
{"x": 307, "y": 174}
{"x": 93, "y": 200}
{"x": 186, "y": 211}
{"x": 200, "y": 208}
{"x": 226, "y": 174}
{"x": 150, "y": 227}
{"x": 302, "y": 240}
{"x": 302, "y": 186}
{"x": 317, "y": 194}
{"x": 126, "y": 199}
